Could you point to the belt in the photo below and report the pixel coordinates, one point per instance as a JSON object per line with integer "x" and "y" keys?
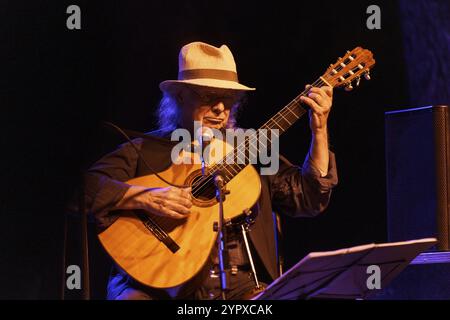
{"x": 233, "y": 270}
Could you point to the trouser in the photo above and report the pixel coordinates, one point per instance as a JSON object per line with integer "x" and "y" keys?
{"x": 239, "y": 283}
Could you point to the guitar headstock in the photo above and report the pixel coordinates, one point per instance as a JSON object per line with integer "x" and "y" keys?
{"x": 353, "y": 65}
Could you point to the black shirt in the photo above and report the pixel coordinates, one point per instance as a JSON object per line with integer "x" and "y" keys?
{"x": 293, "y": 191}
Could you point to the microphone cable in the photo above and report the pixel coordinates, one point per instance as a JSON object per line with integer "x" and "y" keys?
{"x": 118, "y": 129}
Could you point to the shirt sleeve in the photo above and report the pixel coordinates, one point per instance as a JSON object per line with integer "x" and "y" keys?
{"x": 105, "y": 182}
{"x": 302, "y": 192}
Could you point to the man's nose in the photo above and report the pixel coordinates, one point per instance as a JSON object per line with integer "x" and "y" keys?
{"x": 218, "y": 108}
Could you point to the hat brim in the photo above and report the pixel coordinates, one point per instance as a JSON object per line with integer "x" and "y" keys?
{"x": 171, "y": 85}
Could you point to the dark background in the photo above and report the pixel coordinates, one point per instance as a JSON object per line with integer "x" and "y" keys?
{"x": 57, "y": 85}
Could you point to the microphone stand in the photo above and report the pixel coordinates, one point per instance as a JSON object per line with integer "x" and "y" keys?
{"x": 222, "y": 237}
{"x": 219, "y": 226}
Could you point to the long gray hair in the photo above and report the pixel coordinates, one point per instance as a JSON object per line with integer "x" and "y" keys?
{"x": 169, "y": 115}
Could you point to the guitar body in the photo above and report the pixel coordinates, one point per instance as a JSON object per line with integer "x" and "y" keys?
{"x": 148, "y": 260}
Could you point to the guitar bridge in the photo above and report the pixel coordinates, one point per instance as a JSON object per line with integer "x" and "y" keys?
{"x": 158, "y": 232}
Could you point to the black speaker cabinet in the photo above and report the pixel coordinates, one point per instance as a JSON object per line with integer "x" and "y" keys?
{"x": 418, "y": 177}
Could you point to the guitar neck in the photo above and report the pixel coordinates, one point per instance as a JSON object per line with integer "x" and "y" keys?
{"x": 293, "y": 111}
{"x": 276, "y": 125}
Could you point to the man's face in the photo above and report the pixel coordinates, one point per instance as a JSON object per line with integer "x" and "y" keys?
{"x": 208, "y": 105}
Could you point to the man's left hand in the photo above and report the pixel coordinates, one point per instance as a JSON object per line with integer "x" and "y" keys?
{"x": 320, "y": 101}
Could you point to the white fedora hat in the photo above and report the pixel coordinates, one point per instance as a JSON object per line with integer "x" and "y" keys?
{"x": 204, "y": 65}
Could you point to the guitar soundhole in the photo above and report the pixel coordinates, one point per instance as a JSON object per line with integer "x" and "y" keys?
{"x": 203, "y": 188}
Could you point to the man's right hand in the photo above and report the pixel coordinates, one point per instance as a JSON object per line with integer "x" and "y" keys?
{"x": 166, "y": 202}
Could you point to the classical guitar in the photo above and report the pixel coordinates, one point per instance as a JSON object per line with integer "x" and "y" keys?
{"x": 166, "y": 253}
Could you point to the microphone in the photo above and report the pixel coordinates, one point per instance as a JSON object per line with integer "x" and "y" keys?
{"x": 204, "y": 136}
{"x": 218, "y": 180}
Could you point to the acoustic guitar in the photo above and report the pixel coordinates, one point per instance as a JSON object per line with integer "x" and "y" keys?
{"x": 166, "y": 253}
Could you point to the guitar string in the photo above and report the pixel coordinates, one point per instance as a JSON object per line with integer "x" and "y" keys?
{"x": 199, "y": 188}
{"x": 280, "y": 116}
{"x": 238, "y": 150}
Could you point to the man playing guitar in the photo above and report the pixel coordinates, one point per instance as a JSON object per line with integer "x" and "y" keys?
{"x": 207, "y": 90}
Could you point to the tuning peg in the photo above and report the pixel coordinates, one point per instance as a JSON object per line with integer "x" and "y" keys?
{"x": 358, "y": 80}
{"x": 349, "y": 87}
{"x": 367, "y": 75}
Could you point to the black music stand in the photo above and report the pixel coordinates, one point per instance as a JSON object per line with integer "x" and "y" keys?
{"x": 343, "y": 274}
